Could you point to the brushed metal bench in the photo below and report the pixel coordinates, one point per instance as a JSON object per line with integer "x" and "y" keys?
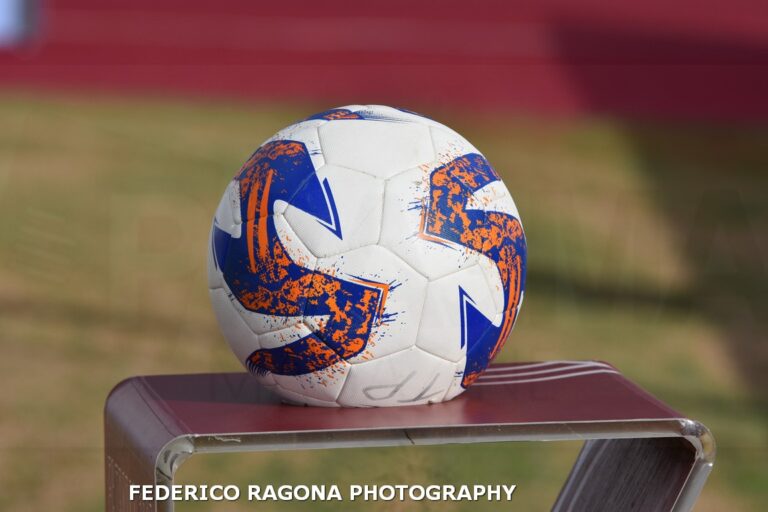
{"x": 638, "y": 453}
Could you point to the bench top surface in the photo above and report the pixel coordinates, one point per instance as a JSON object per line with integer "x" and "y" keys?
{"x": 518, "y": 393}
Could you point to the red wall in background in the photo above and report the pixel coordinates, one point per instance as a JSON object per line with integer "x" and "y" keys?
{"x": 701, "y": 60}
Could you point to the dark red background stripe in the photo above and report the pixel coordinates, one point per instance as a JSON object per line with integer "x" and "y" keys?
{"x": 693, "y": 60}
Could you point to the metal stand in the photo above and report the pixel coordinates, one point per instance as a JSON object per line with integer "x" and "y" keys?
{"x": 639, "y": 454}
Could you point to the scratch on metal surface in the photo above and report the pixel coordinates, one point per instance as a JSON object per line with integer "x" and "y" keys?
{"x": 225, "y": 439}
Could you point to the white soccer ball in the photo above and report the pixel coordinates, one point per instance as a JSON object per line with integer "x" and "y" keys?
{"x": 366, "y": 256}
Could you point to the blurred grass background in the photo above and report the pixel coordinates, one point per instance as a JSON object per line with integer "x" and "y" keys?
{"x": 647, "y": 249}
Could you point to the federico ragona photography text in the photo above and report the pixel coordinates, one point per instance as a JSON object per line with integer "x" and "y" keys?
{"x": 354, "y": 492}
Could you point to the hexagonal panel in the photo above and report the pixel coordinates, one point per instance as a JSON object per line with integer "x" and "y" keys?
{"x": 444, "y": 331}
{"x": 408, "y": 377}
{"x": 401, "y": 228}
{"x": 379, "y": 148}
{"x": 354, "y": 203}
{"x": 401, "y": 291}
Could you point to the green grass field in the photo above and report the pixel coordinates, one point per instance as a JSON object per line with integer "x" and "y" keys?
{"x": 648, "y": 248}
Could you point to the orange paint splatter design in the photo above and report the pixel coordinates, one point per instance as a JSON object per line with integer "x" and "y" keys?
{"x": 446, "y": 219}
{"x": 265, "y": 279}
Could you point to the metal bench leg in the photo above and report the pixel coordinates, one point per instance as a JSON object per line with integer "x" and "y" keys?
{"x": 652, "y": 474}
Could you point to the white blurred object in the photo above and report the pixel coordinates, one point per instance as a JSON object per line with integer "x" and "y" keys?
{"x": 16, "y": 21}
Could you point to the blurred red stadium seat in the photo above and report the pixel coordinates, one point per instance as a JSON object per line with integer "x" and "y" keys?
{"x": 655, "y": 59}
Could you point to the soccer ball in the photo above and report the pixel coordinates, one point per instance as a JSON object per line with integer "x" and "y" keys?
{"x": 366, "y": 256}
